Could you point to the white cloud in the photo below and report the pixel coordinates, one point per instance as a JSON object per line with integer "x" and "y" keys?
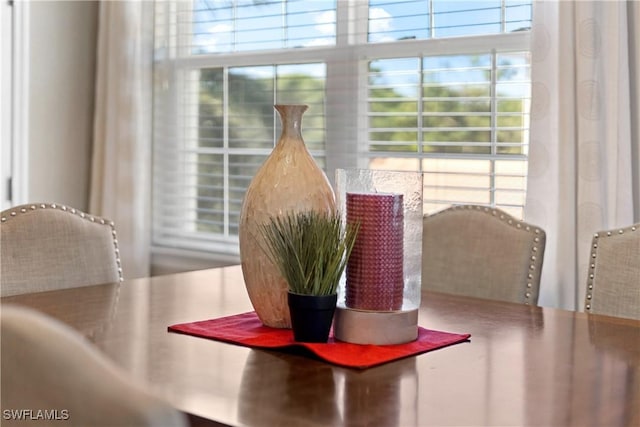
{"x": 212, "y": 35}
{"x": 380, "y": 22}
{"x": 320, "y": 42}
{"x": 220, "y": 28}
{"x": 326, "y": 22}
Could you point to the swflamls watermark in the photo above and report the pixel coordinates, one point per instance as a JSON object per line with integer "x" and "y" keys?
{"x": 35, "y": 414}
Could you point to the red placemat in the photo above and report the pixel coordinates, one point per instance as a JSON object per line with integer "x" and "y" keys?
{"x": 247, "y": 330}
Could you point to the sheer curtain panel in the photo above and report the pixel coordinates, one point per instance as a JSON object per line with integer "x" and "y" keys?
{"x": 584, "y": 155}
{"x": 121, "y": 164}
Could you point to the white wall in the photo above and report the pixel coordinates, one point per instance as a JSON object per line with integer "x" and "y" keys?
{"x": 62, "y": 39}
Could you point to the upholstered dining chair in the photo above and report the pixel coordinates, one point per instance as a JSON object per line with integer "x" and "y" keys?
{"x": 47, "y": 365}
{"x": 613, "y": 279}
{"x": 50, "y": 246}
{"x": 482, "y": 252}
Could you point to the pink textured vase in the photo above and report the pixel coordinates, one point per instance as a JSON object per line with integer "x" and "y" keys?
{"x": 375, "y": 276}
{"x": 288, "y": 181}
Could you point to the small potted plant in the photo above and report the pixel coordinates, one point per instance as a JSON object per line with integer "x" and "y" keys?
{"x": 311, "y": 250}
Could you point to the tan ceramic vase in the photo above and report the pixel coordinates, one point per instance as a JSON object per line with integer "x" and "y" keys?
{"x": 288, "y": 181}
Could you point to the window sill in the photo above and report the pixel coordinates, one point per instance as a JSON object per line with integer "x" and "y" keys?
{"x": 171, "y": 260}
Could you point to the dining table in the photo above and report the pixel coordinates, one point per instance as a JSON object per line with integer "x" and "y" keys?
{"x": 522, "y": 364}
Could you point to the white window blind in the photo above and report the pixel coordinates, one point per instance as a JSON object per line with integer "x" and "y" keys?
{"x": 461, "y": 119}
{"x": 427, "y": 85}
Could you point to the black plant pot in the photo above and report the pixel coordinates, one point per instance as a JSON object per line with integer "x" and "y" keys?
{"x": 311, "y": 316}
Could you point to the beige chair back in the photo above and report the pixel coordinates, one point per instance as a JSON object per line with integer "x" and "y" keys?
{"x": 482, "y": 252}
{"x": 46, "y": 365}
{"x": 613, "y": 281}
{"x": 49, "y": 246}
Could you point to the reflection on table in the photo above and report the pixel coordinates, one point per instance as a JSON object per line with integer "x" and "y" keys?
{"x": 523, "y": 365}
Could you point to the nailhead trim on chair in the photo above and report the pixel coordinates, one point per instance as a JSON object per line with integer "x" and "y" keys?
{"x": 25, "y": 209}
{"x": 516, "y": 223}
{"x": 594, "y": 253}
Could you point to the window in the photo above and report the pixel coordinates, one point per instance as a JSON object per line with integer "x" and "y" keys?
{"x": 425, "y": 85}
{"x": 14, "y": 103}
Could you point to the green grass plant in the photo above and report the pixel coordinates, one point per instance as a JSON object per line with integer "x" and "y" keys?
{"x": 310, "y": 249}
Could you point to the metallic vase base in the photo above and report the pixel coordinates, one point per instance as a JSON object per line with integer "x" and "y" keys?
{"x": 375, "y": 327}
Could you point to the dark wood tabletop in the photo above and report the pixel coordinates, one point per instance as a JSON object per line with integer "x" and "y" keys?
{"x": 522, "y": 366}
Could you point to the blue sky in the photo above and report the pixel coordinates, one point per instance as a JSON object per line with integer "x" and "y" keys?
{"x": 274, "y": 24}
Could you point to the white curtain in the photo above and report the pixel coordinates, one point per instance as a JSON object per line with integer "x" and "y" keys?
{"x": 584, "y": 152}
{"x": 121, "y": 163}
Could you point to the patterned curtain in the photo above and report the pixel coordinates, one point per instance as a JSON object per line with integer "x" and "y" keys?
{"x": 584, "y": 152}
